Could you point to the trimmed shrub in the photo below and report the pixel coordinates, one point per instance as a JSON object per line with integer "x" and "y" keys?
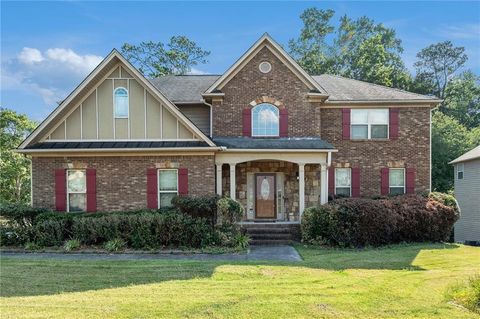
{"x": 229, "y": 211}
{"x": 21, "y": 214}
{"x": 51, "y": 232}
{"x": 197, "y": 206}
{"x": 373, "y": 222}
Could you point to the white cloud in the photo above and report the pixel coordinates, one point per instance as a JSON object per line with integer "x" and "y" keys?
{"x": 194, "y": 71}
{"x": 51, "y": 74}
{"x": 464, "y": 31}
{"x": 30, "y": 56}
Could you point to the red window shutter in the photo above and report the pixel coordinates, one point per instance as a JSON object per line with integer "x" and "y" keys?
{"x": 331, "y": 180}
{"x": 283, "y": 122}
{"x": 247, "y": 122}
{"x": 91, "y": 190}
{"x": 183, "y": 181}
{"x": 410, "y": 172}
{"x": 346, "y": 124}
{"x": 152, "y": 188}
{"x": 355, "y": 182}
{"x": 60, "y": 190}
{"x": 384, "y": 181}
{"x": 393, "y": 130}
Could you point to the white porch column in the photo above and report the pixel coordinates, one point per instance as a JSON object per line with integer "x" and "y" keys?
{"x": 232, "y": 182}
{"x": 323, "y": 184}
{"x": 219, "y": 179}
{"x": 301, "y": 189}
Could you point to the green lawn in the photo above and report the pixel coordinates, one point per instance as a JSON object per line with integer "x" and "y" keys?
{"x": 400, "y": 282}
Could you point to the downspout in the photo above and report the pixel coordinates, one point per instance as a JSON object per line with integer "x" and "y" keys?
{"x": 211, "y": 116}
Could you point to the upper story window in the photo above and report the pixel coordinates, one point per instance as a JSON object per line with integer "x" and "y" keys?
{"x": 265, "y": 120}
{"x": 121, "y": 102}
{"x": 460, "y": 169}
{"x": 369, "y": 123}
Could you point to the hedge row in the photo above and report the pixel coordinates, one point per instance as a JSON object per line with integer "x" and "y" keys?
{"x": 141, "y": 229}
{"x": 373, "y": 222}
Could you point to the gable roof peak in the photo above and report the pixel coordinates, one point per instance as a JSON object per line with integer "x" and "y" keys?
{"x": 266, "y": 41}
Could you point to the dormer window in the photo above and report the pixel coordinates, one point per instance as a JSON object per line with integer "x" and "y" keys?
{"x": 120, "y": 96}
{"x": 265, "y": 120}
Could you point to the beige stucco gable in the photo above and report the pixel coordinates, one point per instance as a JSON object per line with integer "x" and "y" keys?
{"x": 88, "y": 112}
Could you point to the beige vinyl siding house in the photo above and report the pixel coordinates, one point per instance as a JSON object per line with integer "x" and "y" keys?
{"x": 467, "y": 193}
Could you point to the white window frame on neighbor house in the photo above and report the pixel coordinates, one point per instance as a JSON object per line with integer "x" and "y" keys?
{"x": 460, "y": 170}
{"x": 116, "y": 115}
{"x": 390, "y": 186}
{"x": 75, "y": 192}
{"x": 349, "y": 186}
{"x": 369, "y": 122}
{"x": 277, "y": 112}
{"x": 160, "y": 192}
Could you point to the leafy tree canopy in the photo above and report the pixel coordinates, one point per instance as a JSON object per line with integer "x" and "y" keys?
{"x": 14, "y": 167}
{"x": 154, "y": 59}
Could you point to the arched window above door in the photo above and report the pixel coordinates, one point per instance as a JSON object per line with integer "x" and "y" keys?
{"x": 265, "y": 120}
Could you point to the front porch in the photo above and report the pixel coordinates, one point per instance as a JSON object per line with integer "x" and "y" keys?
{"x": 273, "y": 186}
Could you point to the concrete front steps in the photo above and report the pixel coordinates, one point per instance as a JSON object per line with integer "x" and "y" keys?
{"x": 272, "y": 233}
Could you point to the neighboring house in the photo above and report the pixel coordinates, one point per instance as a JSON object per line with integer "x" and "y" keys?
{"x": 264, "y": 133}
{"x": 467, "y": 193}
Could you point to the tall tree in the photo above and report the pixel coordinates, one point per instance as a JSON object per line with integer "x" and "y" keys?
{"x": 311, "y": 50}
{"x": 154, "y": 59}
{"x": 437, "y": 64}
{"x": 462, "y": 99}
{"x": 14, "y": 167}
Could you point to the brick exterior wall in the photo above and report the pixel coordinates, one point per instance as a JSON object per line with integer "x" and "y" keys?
{"x": 121, "y": 181}
{"x": 280, "y": 84}
{"x": 411, "y": 149}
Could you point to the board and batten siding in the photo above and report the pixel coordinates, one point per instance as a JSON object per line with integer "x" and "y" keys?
{"x": 467, "y": 193}
{"x": 199, "y": 114}
{"x": 93, "y": 118}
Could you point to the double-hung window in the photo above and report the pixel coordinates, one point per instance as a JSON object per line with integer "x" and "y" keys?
{"x": 460, "y": 169}
{"x": 396, "y": 181}
{"x": 167, "y": 187}
{"x": 76, "y": 191}
{"x": 369, "y": 123}
{"x": 343, "y": 182}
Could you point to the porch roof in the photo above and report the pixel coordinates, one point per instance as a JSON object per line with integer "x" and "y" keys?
{"x": 293, "y": 143}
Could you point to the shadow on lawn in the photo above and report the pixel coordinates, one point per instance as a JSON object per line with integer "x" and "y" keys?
{"x": 33, "y": 277}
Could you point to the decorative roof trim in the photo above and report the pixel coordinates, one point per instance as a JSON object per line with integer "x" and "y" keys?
{"x": 115, "y": 54}
{"x": 390, "y": 102}
{"x": 265, "y": 41}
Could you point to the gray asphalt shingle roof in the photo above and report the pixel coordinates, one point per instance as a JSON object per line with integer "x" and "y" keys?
{"x": 99, "y": 145}
{"x": 272, "y": 143}
{"x": 189, "y": 88}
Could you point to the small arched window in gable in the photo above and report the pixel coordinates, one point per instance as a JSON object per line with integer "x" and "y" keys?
{"x": 265, "y": 120}
{"x": 120, "y": 96}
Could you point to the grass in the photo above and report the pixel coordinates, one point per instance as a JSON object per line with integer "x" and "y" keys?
{"x": 405, "y": 281}
{"x": 466, "y": 294}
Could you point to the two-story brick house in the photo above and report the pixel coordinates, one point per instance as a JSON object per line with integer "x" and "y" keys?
{"x": 265, "y": 133}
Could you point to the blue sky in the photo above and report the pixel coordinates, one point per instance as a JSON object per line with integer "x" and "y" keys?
{"x": 47, "y": 48}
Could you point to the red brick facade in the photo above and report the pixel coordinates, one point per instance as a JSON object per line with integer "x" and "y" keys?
{"x": 121, "y": 181}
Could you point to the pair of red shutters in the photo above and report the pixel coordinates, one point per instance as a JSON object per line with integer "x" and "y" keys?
{"x": 392, "y": 129}
{"x": 152, "y": 188}
{"x": 384, "y": 181}
{"x": 247, "y": 122}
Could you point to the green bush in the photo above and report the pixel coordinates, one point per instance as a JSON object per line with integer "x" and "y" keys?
{"x": 197, "y": 206}
{"x": 51, "y": 232}
{"x": 372, "y": 222}
{"x": 114, "y": 245}
{"x": 72, "y": 244}
{"x": 229, "y": 211}
{"x": 21, "y": 214}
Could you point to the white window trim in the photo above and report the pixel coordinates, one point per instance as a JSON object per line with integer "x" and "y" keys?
{"x": 369, "y": 126}
{"x": 335, "y": 180}
{"x": 68, "y": 192}
{"x": 115, "y": 104}
{"x": 253, "y": 135}
{"x": 158, "y": 184}
{"x": 404, "y": 179}
{"x": 462, "y": 165}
